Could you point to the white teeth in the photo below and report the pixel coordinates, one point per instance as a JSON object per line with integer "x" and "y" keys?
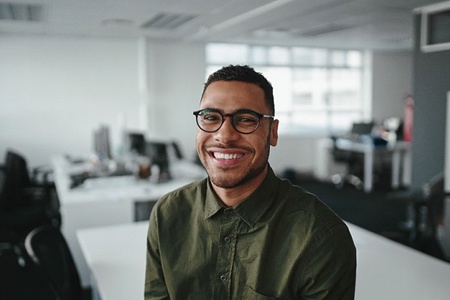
{"x": 226, "y": 155}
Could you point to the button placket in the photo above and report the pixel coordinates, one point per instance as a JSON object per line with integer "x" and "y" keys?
{"x": 225, "y": 259}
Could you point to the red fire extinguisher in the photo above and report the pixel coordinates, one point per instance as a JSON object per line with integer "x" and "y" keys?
{"x": 408, "y": 121}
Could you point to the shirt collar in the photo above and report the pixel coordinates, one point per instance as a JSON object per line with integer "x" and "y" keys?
{"x": 251, "y": 209}
{"x": 212, "y": 203}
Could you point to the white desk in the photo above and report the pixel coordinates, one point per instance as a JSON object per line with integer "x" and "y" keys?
{"x": 106, "y": 201}
{"x": 116, "y": 258}
{"x": 386, "y": 270}
{"x": 401, "y": 156}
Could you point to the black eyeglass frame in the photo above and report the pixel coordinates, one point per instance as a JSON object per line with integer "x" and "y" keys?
{"x": 259, "y": 115}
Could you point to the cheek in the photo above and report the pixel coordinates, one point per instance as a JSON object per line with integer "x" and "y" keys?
{"x": 259, "y": 144}
{"x": 200, "y": 139}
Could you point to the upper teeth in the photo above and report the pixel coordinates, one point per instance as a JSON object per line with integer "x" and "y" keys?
{"x": 226, "y": 155}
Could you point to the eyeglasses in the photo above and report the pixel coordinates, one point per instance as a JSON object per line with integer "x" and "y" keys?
{"x": 243, "y": 121}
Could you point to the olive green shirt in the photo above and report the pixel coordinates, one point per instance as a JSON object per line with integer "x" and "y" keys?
{"x": 279, "y": 243}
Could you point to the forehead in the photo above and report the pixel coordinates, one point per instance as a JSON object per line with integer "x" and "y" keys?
{"x": 232, "y": 95}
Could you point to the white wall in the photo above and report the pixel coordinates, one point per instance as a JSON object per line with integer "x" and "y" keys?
{"x": 392, "y": 82}
{"x": 55, "y": 91}
{"x": 176, "y": 76}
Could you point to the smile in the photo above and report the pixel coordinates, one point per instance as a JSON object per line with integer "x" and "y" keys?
{"x": 220, "y": 155}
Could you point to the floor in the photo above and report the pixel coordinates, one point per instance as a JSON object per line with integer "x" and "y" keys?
{"x": 391, "y": 213}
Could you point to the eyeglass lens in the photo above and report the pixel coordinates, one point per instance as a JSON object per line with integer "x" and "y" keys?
{"x": 244, "y": 122}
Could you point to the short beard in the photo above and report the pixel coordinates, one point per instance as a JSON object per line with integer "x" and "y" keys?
{"x": 223, "y": 180}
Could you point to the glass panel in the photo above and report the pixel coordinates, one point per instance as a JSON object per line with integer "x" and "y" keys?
{"x": 309, "y": 56}
{"x": 344, "y": 88}
{"x": 281, "y": 80}
{"x": 316, "y": 90}
{"x": 258, "y": 55}
{"x": 226, "y": 54}
{"x": 341, "y": 122}
{"x": 279, "y": 55}
{"x": 309, "y": 120}
{"x": 354, "y": 59}
{"x": 302, "y": 99}
{"x": 312, "y": 81}
{"x": 343, "y": 99}
{"x": 338, "y": 58}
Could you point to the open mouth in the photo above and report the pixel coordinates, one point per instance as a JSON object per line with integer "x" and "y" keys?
{"x": 220, "y": 155}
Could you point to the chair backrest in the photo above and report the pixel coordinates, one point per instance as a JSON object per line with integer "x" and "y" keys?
{"x": 49, "y": 251}
{"x": 16, "y": 179}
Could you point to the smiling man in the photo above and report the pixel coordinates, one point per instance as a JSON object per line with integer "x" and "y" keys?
{"x": 244, "y": 233}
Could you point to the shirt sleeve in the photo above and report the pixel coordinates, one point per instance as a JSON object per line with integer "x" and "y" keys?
{"x": 155, "y": 286}
{"x": 331, "y": 271}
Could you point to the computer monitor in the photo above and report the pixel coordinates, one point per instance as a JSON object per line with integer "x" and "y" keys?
{"x": 362, "y": 128}
{"x": 158, "y": 154}
{"x": 136, "y": 143}
{"x": 102, "y": 145}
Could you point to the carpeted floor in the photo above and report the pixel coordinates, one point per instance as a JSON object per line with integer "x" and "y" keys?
{"x": 383, "y": 211}
{"x": 377, "y": 211}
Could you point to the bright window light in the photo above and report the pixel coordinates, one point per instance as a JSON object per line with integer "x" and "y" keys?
{"x": 317, "y": 91}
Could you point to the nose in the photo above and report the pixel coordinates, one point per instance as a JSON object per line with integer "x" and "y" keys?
{"x": 226, "y": 132}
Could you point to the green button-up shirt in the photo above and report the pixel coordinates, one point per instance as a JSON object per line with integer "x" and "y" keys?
{"x": 279, "y": 243}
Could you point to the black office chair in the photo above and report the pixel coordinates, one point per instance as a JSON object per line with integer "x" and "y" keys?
{"x": 24, "y": 202}
{"x": 24, "y": 205}
{"x": 424, "y": 214}
{"x": 430, "y": 213}
{"x": 353, "y": 160}
{"x": 51, "y": 255}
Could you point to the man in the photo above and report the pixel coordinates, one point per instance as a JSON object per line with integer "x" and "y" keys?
{"x": 244, "y": 233}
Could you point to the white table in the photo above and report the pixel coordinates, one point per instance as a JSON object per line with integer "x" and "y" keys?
{"x": 107, "y": 201}
{"x": 401, "y": 156}
{"x": 116, "y": 259}
{"x": 386, "y": 270}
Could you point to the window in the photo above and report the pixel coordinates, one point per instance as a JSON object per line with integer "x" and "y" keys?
{"x": 317, "y": 91}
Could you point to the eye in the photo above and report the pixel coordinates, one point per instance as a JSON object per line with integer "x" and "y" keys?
{"x": 209, "y": 116}
{"x": 246, "y": 118}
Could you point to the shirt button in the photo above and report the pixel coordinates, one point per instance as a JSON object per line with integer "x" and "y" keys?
{"x": 223, "y": 278}
{"x": 227, "y": 239}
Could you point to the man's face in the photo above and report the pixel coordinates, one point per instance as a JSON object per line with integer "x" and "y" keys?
{"x": 232, "y": 158}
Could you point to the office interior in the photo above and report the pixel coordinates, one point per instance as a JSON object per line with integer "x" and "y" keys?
{"x": 57, "y": 89}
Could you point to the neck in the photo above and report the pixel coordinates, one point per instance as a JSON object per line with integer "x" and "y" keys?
{"x": 235, "y": 195}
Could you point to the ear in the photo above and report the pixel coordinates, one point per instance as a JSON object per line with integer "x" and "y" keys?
{"x": 274, "y": 133}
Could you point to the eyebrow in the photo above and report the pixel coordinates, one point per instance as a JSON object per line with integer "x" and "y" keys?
{"x": 222, "y": 111}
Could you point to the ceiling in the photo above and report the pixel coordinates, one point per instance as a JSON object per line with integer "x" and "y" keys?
{"x": 370, "y": 24}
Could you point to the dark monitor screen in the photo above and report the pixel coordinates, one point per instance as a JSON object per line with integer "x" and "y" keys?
{"x": 158, "y": 154}
{"x": 362, "y": 128}
{"x": 136, "y": 143}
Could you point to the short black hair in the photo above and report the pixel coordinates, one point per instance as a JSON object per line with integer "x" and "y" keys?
{"x": 244, "y": 73}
